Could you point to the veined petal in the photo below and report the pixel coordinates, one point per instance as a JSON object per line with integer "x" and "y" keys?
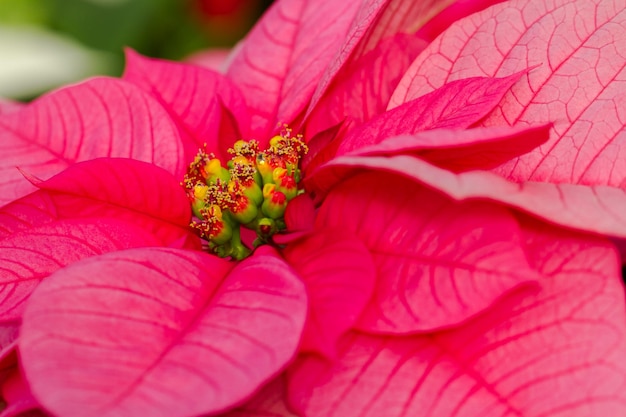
{"x": 529, "y": 356}
{"x": 24, "y": 213}
{"x": 455, "y": 11}
{"x": 577, "y": 49}
{"x": 438, "y": 262}
{"x": 196, "y": 100}
{"x": 140, "y": 193}
{"x": 457, "y": 105}
{"x": 463, "y": 150}
{"x": 201, "y": 336}
{"x": 271, "y": 401}
{"x": 362, "y": 88}
{"x": 339, "y": 274}
{"x": 103, "y": 117}
{"x": 28, "y": 258}
{"x": 596, "y": 209}
{"x": 375, "y": 22}
{"x": 280, "y": 62}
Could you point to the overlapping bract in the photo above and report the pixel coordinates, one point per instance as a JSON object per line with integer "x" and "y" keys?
{"x": 195, "y": 325}
{"x": 393, "y": 295}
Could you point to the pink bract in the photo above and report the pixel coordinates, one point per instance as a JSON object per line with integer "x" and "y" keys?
{"x": 436, "y": 264}
{"x": 457, "y": 105}
{"x": 576, "y": 79}
{"x": 339, "y": 274}
{"x": 574, "y": 178}
{"x": 530, "y": 354}
{"x": 122, "y": 189}
{"x": 217, "y": 119}
{"x": 191, "y": 331}
{"x": 99, "y": 118}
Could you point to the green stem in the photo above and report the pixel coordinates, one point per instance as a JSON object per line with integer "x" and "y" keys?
{"x": 239, "y": 250}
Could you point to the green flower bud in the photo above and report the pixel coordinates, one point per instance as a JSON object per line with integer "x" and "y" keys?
{"x": 242, "y": 209}
{"x": 266, "y": 227}
{"x": 264, "y": 168}
{"x": 198, "y": 197}
{"x": 221, "y": 231}
{"x": 285, "y": 183}
{"x": 214, "y": 171}
{"x": 274, "y": 202}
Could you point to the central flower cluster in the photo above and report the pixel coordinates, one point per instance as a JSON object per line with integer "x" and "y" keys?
{"x": 252, "y": 190}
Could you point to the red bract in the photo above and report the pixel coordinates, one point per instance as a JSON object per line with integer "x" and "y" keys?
{"x": 388, "y": 296}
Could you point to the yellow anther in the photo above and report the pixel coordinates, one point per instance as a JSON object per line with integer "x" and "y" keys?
{"x": 235, "y": 189}
{"x": 218, "y": 195}
{"x": 239, "y": 146}
{"x": 268, "y": 190}
{"x": 213, "y": 167}
{"x": 215, "y": 212}
{"x": 200, "y": 191}
{"x": 241, "y": 160}
{"x": 247, "y": 149}
{"x": 275, "y": 141}
{"x": 278, "y": 173}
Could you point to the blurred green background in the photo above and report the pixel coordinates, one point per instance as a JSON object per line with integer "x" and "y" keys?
{"x": 47, "y": 43}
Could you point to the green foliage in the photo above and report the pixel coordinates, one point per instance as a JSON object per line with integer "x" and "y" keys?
{"x": 159, "y": 28}
{"x": 34, "y": 12}
{"x": 153, "y": 27}
{"x": 100, "y": 30}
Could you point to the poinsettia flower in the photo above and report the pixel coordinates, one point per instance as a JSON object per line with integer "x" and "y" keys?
{"x": 104, "y": 206}
{"x": 165, "y": 82}
{"x": 119, "y": 330}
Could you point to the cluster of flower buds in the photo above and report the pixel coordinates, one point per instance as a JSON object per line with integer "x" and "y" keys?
{"x": 252, "y": 190}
